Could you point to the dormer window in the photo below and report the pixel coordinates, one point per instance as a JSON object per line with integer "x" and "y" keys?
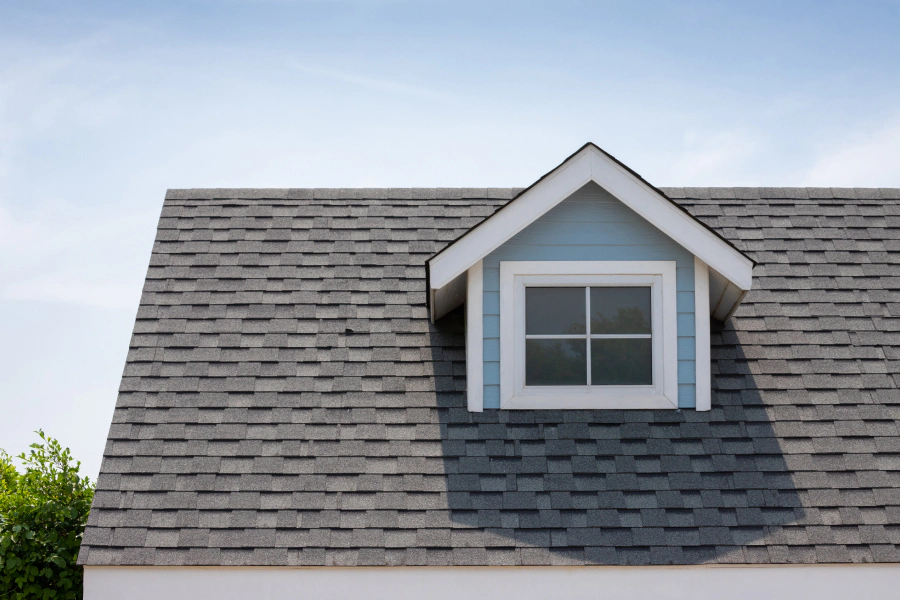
{"x": 588, "y": 334}
{"x": 589, "y": 289}
{"x": 582, "y": 336}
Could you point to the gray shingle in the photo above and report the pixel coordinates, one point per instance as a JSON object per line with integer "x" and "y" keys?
{"x": 287, "y": 402}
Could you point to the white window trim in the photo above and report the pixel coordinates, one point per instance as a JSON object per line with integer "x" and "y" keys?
{"x": 660, "y": 275}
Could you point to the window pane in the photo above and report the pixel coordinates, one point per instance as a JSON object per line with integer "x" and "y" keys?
{"x": 556, "y": 362}
{"x": 554, "y": 311}
{"x": 620, "y": 310}
{"x": 622, "y": 362}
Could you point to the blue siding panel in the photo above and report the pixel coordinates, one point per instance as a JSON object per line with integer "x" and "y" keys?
{"x": 492, "y": 396}
{"x": 591, "y": 225}
{"x": 492, "y": 279}
{"x": 578, "y": 252}
{"x": 686, "y": 302}
{"x": 686, "y": 372}
{"x": 492, "y": 349}
{"x": 492, "y": 301}
{"x": 686, "y": 324}
{"x": 687, "y": 396}
{"x": 491, "y": 326}
{"x": 685, "y": 276}
{"x": 687, "y": 348}
{"x": 492, "y": 376}
{"x": 491, "y": 373}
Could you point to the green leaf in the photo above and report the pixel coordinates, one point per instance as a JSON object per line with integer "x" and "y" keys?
{"x": 43, "y": 510}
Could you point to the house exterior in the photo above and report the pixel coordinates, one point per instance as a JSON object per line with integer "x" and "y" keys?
{"x": 586, "y": 387}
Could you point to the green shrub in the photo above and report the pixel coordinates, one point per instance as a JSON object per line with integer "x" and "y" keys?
{"x": 43, "y": 511}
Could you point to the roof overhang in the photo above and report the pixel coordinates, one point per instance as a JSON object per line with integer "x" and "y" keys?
{"x": 733, "y": 269}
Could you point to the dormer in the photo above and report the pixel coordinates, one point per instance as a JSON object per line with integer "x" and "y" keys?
{"x": 589, "y": 290}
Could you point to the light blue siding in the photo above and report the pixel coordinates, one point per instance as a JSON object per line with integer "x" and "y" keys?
{"x": 686, "y": 348}
{"x": 687, "y": 395}
{"x": 686, "y": 302}
{"x": 492, "y": 326}
{"x": 590, "y": 225}
{"x": 492, "y": 300}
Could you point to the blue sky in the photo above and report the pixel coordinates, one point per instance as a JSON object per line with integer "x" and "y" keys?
{"x": 104, "y": 105}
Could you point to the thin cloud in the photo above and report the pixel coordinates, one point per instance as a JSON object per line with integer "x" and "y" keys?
{"x": 98, "y": 294}
{"x": 715, "y": 157}
{"x": 871, "y": 159}
{"x": 383, "y": 85}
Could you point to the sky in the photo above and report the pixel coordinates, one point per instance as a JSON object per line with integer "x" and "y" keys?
{"x": 105, "y": 105}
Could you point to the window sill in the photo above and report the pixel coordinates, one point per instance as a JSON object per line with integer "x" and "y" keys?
{"x": 551, "y": 398}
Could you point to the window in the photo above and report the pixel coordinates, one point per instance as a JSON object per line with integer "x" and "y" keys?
{"x": 588, "y": 334}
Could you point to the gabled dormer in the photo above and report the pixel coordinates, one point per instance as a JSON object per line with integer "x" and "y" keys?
{"x": 590, "y": 289}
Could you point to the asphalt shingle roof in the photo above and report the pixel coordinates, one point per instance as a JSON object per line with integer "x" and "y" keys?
{"x": 286, "y": 400}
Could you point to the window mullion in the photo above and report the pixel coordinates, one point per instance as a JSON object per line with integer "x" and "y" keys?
{"x": 587, "y": 324}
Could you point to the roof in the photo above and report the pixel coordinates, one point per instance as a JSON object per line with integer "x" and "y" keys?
{"x": 286, "y": 400}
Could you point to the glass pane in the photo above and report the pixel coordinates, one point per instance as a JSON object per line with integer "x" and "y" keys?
{"x": 554, "y": 311}
{"x": 556, "y": 362}
{"x": 622, "y": 362}
{"x": 620, "y": 310}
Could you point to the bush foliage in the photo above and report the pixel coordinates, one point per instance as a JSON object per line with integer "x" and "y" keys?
{"x": 43, "y": 511}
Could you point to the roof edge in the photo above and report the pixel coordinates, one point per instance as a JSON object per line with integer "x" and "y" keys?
{"x": 436, "y": 193}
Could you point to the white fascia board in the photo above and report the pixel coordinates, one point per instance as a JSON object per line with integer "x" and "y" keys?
{"x": 591, "y": 165}
{"x": 687, "y": 582}
{"x": 671, "y": 220}
{"x": 512, "y": 219}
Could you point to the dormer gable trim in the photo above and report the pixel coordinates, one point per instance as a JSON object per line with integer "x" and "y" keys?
{"x": 591, "y": 163}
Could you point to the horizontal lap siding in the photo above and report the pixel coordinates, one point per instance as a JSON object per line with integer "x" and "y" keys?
{"x": 590, "y": 225}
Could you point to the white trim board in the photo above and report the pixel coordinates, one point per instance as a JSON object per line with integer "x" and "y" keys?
{"x": 591, "y": 164}
{"x": 703, "y": 383}
{"x": 475, "y": 338}
{"x": 689, "y": 582}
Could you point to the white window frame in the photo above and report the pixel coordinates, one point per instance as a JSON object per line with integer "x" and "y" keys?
{"x": 658, "y": 275}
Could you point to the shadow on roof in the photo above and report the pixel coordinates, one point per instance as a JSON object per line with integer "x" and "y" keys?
{"x": 614, "y": 487}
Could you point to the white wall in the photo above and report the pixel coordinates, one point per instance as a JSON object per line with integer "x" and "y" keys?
{"x": 521, "y": 583}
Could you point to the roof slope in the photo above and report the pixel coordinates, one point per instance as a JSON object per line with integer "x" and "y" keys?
{"x": 286, "y": 401}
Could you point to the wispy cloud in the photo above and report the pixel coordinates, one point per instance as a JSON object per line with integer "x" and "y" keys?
{"x": 372, "y": 83}
{"x": 72, "y": 290}
{"x": 868, "y": 159}
{"x": 715, "y": 157}
{"x": 52, "y": 254}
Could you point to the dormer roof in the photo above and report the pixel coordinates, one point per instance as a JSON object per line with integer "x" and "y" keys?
{"x": 731, "y": 270}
